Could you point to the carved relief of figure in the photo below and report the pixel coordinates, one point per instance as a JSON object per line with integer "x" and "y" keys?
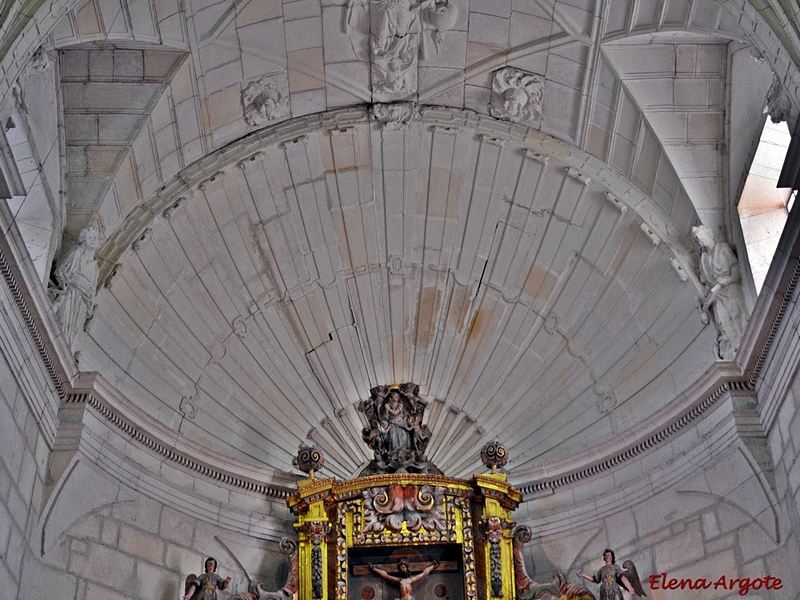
{"x": 406, "y": 579}
{"x": 612, "y": 578}
{"x": 397, "y": 439}
{"x": 395, "y": 432}
{"x": 206, "y": 585}
{"x": 76, "y": 281}
{"x": 394, "y": 29}
{"x": 723, "y": 298}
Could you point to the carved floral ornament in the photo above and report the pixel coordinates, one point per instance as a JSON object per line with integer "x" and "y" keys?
{"x": 517, "y": 96}
{"x": 266, "y": 99}
{"x": 393, "y": 116}
{"x": 390, "y": 507}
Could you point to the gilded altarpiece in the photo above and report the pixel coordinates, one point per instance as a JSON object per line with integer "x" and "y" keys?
{"x": 454, "y": 536}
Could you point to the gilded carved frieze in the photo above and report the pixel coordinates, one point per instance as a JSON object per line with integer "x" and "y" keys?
{"x": 392, "y": 507}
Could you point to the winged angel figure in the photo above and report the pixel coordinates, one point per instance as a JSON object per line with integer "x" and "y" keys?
{"x": 612, "y": 578}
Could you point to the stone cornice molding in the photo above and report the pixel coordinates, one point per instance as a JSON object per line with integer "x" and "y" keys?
{"x": 38, "y": 322}
{"x": 674, "y": 419}
{"x": 93, "y": 392}
{"x": 772, "y": 330}
{"x": 726, "y": 426}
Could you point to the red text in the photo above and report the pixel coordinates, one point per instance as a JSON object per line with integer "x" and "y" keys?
{"x": 743, "y": 584}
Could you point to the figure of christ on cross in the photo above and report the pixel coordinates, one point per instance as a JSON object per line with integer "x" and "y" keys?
{"x": 406, "y": 579}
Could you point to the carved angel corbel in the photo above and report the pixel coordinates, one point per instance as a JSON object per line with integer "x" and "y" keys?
{"x": 76, "y": 278}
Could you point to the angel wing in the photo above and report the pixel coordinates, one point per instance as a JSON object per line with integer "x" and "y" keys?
{"x": 629, "y": 571}
{"x": 189, "y": 581}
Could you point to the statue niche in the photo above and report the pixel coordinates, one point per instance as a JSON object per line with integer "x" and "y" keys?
{"x": 395, "y": 432}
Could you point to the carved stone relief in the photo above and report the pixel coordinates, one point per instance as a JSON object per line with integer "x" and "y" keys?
{"x": 188, "y": 407}
{"x": 393, "y": 116}
{"x": 266, "y": 99}
{"x": 517, "y": 96}
{"x": 75, "y": 283}
{"x": 778, "y": 105}
{"x": 723, "y": 298}
{"x": 397, "y": 33}
{"x": 38, "y": 62}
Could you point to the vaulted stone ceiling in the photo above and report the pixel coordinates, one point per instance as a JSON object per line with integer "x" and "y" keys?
{"x": 528, "y": 305}
{"x": 258, "y": 279}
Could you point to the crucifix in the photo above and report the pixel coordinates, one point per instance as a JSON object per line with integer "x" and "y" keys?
{"x": 404, "y": 579}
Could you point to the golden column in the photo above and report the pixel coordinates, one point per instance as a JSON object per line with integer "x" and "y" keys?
{"x": 496, "y": 551}
{"x": 312, "y": 526}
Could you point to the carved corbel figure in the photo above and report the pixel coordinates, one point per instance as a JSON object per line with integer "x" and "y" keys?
{"x": 723, "y": 298}
{"x": 75, "y": 283}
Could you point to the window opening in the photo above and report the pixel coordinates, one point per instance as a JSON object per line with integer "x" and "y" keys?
{"x": 763, "y": 207}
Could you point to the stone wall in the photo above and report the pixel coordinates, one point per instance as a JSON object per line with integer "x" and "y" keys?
{"x": 138, "y": 548}
{"x": 688, "y": 531}
{"x": 784, "y": 441}
{"x": 23, "y": 458}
